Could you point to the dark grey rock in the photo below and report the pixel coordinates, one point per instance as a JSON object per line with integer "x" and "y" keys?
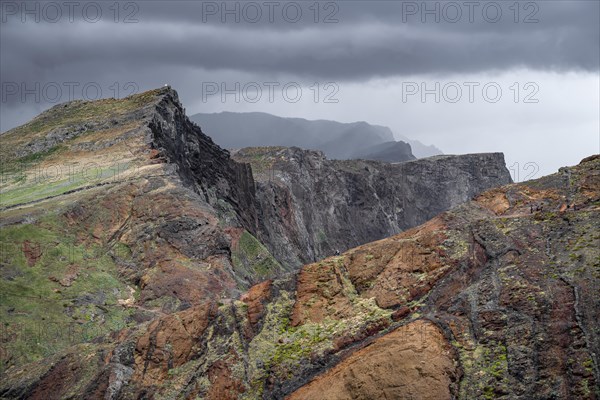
{"x": 309, "y": 207}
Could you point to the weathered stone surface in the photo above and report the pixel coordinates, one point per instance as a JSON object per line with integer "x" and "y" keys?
{"x": 394, "y": 272}
{"x": 498, "y": 295}
{"x": 201, "y": 163}
{"x": 169, "y": 342}
{"x": 412, "y": 362}
{"x": 132, "y": 227}
{"x": 256, "y": 298}
{"x": 309, "y": 207}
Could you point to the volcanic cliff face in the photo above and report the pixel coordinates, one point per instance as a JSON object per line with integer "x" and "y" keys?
{"x": 202, "y": 164}
{"x": 131, "y": 269}
{"x": 309, "y": 207}
{"x": 496, "y": 298}
{"x": 114, "y": 213}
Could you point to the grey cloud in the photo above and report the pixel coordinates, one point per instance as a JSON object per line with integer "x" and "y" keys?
{"x": 369, "y": 41}
{"x": 171, "y": 43}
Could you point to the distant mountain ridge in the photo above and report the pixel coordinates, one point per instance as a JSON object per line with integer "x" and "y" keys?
{"x": 387, "y": 151}
{"x": 336, "y": 139}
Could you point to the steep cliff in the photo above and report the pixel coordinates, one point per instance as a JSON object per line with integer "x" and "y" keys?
{"x": 496, "y": 298}
{"x": 116, "y": 212}
{"x": 201, "y": 163}
{"x": 136, "y": 264}
{"x": 509, "y": 280}
{"x": 309, "y": 207}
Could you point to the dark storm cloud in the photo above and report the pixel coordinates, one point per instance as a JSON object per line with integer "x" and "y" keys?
{"x": 370, "y": 39}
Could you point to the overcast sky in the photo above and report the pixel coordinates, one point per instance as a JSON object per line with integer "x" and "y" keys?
{"x": 517, "y": 77}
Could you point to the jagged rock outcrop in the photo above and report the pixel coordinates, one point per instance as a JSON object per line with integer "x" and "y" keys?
{"x": 309, "y": 206}
{"x": 116, "y": 213}
{"x": 496, "y": 298}
{"x": 142, "y": 276}
{"x": 201, "y": 163}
